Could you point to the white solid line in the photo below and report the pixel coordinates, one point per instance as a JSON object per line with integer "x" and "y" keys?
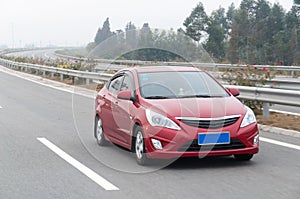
{"x": 284, "y": 144}
{"x": 47, "y": 85}
{"x": 82, "y": 168}
{"x": 284, "y": 112}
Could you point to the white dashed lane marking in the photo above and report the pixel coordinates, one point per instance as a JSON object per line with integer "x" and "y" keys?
{"x": 82, "y": 168}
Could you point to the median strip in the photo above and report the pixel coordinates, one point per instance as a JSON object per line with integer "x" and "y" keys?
{"x": 82, "y": 168}
{"x": 276, "y": 142}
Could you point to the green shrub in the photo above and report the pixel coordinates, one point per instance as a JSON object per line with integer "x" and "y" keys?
{"x": 249, "y": 76}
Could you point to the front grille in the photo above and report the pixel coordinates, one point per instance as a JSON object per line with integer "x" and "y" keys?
{"x": 193, "y": 146}
{"x": 210, "y": 123}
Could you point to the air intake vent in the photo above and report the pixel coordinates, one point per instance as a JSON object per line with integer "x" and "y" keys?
{"x": 209, "y": 123}
{"x": 193, "y": 146}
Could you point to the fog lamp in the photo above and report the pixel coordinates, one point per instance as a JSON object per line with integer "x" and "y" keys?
{"x": 156, "y": 143}
{"x": 255, "y": 139}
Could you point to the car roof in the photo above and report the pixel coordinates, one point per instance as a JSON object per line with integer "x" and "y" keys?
{"x": 143, "y": 69}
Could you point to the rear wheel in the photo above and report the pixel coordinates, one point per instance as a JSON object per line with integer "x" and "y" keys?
{"x": 99, "y": 133}
{"x": 139, "y": 147}
{"x": 243, "y": 157}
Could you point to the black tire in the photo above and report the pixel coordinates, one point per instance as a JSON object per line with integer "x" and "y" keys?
{"x": 139, "y": 146}
{"x": 243, "y": 157}
{"x": 99, "y": 133}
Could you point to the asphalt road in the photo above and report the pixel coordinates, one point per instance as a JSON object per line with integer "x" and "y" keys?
{"x": 42, "y": 54}
{"x": 30, "y": 113}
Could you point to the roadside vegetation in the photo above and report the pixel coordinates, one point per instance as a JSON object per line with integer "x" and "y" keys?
{"x": 256, "y": 32}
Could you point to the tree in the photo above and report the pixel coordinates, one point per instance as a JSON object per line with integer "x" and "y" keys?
{"x": 259, "y": 34}
{"x": 104, "y": 33}
{"x": 229, "y": 19}
{"x": 233, "y": 50}
{"x": 215, "y": 45}
{"x": 146, "y": 38}
{"x": 196, "y": 23}
{"x": 276, "y": 26}
{"x": 293, "y": 46}
{"x": 131, "y": 34}
{"x": 243, "y": 28}
{"x": 90, "y": 46}
{"x": 292, "y": 31}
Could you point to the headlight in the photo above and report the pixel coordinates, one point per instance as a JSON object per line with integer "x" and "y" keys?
{"x": 249, "y": 117}
{"x": 156, "y": 119}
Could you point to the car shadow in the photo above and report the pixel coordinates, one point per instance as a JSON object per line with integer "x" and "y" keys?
{"x": 183, "y": 163}
{"x": 208, "y": 162}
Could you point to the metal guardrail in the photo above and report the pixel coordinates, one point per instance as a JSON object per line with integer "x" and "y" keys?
{"x": 275, "y": 83}
{"x": 54, "y": 70}
{"x": 269, "y": 96}
{"x": 200, "y": 65}
{"x": 265, "y": 95}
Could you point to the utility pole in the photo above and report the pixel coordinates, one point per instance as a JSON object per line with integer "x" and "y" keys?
{"x": 12, "y": 35}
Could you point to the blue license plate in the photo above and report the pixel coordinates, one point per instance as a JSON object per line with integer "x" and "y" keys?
{"x": 213, "y": 138}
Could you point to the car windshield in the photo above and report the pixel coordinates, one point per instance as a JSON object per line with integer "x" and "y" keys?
{"x": 183, "y": 84}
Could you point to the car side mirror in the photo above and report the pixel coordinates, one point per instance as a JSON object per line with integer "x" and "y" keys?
{"x": 125, "y": 95}
{"x": 234, "y": 91}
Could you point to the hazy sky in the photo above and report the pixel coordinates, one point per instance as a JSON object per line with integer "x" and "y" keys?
{"x": 75, "y": 22}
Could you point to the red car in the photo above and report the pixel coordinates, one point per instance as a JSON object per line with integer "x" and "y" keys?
{"x": 169, "y": 112}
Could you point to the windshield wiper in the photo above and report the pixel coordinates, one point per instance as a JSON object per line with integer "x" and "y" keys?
{"x": 195, "y": 96}
{"x": 156, "y": 97}
{"x": 199, "y": 96}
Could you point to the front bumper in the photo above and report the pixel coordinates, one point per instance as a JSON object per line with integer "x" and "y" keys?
{"x": 175, "y": 154}
{"x": 183, "y": 144}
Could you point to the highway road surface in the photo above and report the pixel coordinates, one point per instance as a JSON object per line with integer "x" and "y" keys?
{"x": 47, "y": 150}
{"x": 41, "y": 54}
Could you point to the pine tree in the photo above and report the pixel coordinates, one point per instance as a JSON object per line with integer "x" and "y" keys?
{"x": 233, "y": 50}
{"x": 215, "y": 45}
{"x": 131, "y": 35}
{"x": 196, "y": 23}
{"x": 104, "y": 33}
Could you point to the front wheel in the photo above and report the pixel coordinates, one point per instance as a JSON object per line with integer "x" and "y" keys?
{"x": 99, "y": 133}
{"x": 139, "y": 147}
{"x": 243, "y": 157}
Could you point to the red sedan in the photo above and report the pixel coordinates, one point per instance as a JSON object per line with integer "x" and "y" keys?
{"x": 169, "y": 112}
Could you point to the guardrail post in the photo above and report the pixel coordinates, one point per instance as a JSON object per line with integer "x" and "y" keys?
{"x": 266, "y": 110}
{"x": 61, "y": 77}
{"x": 44, "y": 73}
{"x": 52, "y": 75}
{"x": 87, "y": 81}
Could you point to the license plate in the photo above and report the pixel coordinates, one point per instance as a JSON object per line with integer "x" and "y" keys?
{"x": 213, "y": 138}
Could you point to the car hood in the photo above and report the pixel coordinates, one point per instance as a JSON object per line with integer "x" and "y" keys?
{"x": 197, "y": 107}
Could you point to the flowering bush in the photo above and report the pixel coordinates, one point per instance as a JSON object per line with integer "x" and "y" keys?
{"x": 249, "y": 76}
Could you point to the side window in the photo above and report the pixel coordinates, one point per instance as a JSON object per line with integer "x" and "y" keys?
{"x": 115, "y": 84}
{"x": 127, "y": 83}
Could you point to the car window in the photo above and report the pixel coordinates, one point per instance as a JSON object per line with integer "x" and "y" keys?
{"x": 127, "y": 82}
{"x": 114, "y": 85}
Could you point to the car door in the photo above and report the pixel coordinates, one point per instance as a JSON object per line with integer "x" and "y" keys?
{"x": 109, "y": 107}
{"x": 124, "y": 108}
